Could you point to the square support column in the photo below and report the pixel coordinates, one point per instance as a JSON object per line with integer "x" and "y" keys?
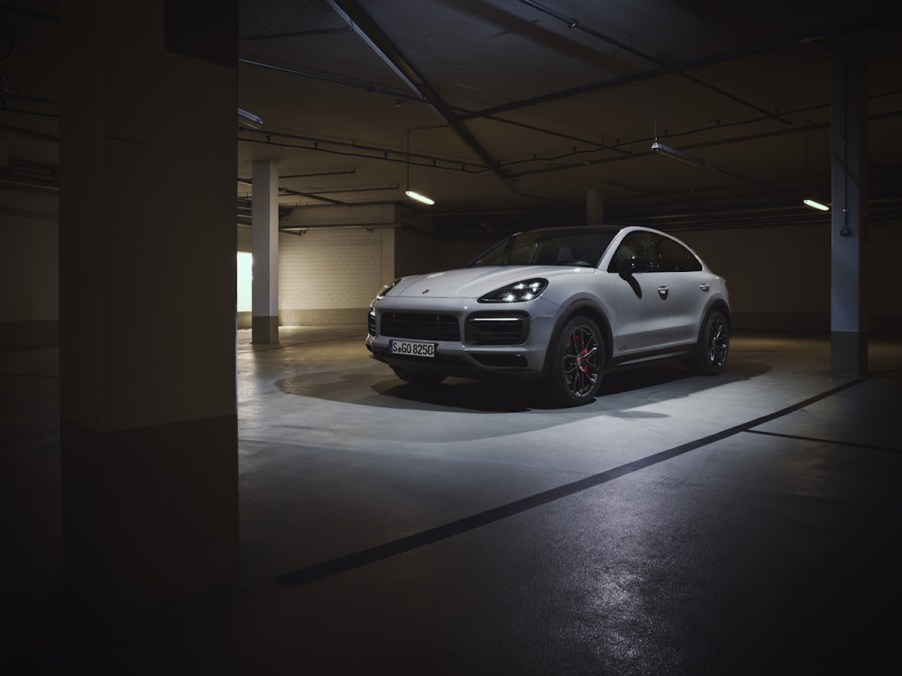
{"x": 848, "y": 319}
{"x": 148, "y": 429}
{"x": 265, "y": 242}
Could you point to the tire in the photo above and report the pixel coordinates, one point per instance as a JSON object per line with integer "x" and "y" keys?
{"x": 418, "y": 378}
{"x": 713, "y": 349}
{"x": 574, "y": 364}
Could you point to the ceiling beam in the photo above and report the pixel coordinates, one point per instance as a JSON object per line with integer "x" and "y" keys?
{"x": 461, "y": 113}
{"x": 656, "y": 60}
{"x": 681, "y": 68}
{"x": 299, "y": 34}
{"x": 377, "y": 40}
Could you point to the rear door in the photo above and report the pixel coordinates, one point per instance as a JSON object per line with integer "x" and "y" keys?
{"x": 687, "y": 287}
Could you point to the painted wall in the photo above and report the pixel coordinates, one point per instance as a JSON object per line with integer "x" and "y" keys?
{"x": 328, "y": 277}
{"x": 778, "y": 277}
{"x": 885, "y": 243}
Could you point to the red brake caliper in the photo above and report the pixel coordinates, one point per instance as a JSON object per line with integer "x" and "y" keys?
{"x": 580, "y": 353}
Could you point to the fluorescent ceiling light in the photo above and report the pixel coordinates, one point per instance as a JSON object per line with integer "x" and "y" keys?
{"x": 816, "y": 205}
{"x": 661, "y": 149}
{"x": 250, "y": 119}
{"x": 419, "y": 198}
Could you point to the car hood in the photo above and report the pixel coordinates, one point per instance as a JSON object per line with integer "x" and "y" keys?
{"x": 476, "y": 282}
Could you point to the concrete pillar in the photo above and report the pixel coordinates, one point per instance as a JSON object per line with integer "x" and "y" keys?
{"x": 848, "y": 318}
{"x": 148, "y": 423}
{"x": 594, "y": 207}
{"x": 265, "y": 237}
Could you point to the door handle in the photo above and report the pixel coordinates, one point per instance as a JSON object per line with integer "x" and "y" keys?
{"x": 663, "y": 291}
{"x": 704, "y": 287}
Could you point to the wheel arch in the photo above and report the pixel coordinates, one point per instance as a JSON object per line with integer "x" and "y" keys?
{"x": 591, "y": 310}
{"x": 720, "y": 305}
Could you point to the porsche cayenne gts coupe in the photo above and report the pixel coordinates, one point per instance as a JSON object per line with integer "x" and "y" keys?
{"x": 559, "y": 305}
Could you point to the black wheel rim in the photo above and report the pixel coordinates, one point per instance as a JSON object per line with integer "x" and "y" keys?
{"x": 718, "y": 343}
{"x": 581, "y": 362}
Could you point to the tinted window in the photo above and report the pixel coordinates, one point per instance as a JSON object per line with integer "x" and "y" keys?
{"x": 639, "y": 245}
{"x": 674, "y": 257}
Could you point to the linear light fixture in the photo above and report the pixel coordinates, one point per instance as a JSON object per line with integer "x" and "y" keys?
{"x": 661, "y": 149}
{"x": 816, "y": 205}
{"x": 248, "y": 118}
{"x": 414, "y": 195}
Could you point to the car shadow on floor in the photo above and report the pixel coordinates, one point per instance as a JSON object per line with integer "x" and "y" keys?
{"x": 634, "y": 387}
{"x": 619, "y": 389}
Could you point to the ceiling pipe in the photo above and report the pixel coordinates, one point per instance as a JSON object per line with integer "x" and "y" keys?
{"x": 364, "y": 151}
{"x": 310, "y": 195}
{"x": 385, "y": 154}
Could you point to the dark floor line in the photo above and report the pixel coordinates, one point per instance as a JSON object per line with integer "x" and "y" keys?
{"x": 832, "y": 442}
{"x": 411, "y": 542}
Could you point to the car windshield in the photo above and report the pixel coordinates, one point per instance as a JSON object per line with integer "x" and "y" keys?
{"x": 582, "y": 247}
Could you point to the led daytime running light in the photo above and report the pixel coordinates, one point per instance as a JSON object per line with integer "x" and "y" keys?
{"x": 519, "y": 292}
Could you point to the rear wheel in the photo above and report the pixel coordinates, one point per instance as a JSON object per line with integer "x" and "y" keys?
{"x": 713, "y": 348}
{"x": 418, "y": 378}
{"x": 574, "y": 363}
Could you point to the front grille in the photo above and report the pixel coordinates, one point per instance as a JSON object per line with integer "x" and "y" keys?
{"x": 371, "y": 323}
{"x": 420, "y": 326}
{"x": 497, "y": 329}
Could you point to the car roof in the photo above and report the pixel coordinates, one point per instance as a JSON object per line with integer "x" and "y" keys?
{"x": 584, "y": 228}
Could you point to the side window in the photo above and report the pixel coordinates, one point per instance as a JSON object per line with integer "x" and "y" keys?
{"x": 636, "y": 245}
{"x": 674, "y": 257}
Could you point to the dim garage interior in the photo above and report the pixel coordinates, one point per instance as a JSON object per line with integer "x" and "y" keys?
{"x": 205, "y": 471}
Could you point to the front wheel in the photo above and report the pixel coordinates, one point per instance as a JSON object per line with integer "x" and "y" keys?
{"x": 713, "y": 348}
{"x": 574, "y": 363}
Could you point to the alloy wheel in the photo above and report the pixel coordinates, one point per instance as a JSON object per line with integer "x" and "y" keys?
{"x": 581, "y": 361}
{"x": 718, "y": 342}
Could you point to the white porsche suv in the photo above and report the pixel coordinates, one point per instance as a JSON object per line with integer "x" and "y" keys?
{"x": 560, "y": 305}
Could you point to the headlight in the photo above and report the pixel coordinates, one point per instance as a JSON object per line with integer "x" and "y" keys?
{"x": 388, "y": 287}
{"x": 518, "y": 292}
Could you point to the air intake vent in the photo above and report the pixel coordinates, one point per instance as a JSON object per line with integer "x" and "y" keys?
{"x": 420, "y": 326}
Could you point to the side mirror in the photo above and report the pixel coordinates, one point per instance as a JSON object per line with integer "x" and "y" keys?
{"x": 635, "y": 264}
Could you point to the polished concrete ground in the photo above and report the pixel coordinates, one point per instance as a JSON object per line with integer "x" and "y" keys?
{"x": 748, "y": 523}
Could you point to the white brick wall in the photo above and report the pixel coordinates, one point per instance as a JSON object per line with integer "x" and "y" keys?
{"x": 330, "y": 269}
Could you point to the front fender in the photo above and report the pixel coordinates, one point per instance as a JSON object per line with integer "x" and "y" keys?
{"x": 592, "y": 309}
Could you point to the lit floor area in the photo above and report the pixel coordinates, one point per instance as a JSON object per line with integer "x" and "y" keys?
{"x": 680, "y": 524}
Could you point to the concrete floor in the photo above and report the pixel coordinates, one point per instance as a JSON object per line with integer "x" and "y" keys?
{"x": 747, "y": 523}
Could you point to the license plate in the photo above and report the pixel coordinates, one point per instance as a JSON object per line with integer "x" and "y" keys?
{"x": 412, "y": 348}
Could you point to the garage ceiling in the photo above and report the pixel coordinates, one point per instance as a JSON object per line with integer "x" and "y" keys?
{"x": 507, "y": 112}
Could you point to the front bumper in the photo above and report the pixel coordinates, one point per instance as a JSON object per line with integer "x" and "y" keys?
{"x": 485, "y": 340}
